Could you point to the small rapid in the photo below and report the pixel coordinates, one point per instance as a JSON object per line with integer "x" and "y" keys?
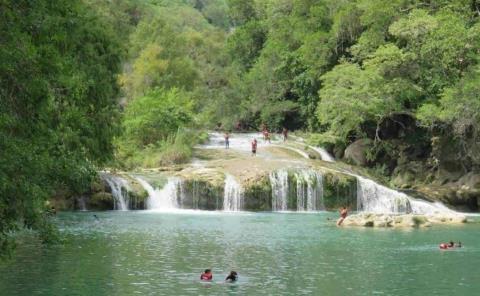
{"x": 323, "y": 153}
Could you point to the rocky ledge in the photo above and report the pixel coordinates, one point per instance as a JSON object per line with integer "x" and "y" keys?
{"x": 406, "y": 220}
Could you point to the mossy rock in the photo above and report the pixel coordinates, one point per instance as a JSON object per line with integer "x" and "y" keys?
{"x": 258, "y": 195}
{"x": 339, "y": 190}
{"x": 202, "y": 195}
{"x": 100, "y": 201}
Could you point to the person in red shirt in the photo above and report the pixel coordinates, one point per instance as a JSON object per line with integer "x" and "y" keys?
{"x": 206, "y": 275}
{"x": 254, "y": 147}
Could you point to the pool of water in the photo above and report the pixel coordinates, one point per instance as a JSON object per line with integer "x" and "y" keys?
{"x": 149, "y": 253}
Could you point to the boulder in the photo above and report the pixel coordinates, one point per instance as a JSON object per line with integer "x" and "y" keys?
{"x": 356, "y": 153}
{"x": 470, "y": 181}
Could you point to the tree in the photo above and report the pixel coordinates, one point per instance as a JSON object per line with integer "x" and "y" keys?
{"x": 58, "y": 108}
{"x": 156, "y": 116}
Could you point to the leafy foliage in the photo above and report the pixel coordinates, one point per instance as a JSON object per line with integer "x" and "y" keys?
{"x": 155, "y": 117}
{"x": 58, "y": 111}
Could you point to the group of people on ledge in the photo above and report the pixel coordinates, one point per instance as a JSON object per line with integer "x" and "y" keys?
{"x": 207, "y": 276}
{"x": 266, "y": 138}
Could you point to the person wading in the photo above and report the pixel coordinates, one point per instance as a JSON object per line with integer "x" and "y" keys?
{"x": 227, "y": 140}
{"x": 285, "y": 134}
{"x": 343, "y": 215}
{"x": 254, "y": 147}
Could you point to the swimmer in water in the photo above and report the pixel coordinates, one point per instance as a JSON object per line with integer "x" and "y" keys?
{"x": 449, "y": 245}
{"x": 232, "y": 277}
{"x": 206, "y": 275}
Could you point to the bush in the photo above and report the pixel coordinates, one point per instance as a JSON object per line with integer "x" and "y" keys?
{"x": 175, "y": 149}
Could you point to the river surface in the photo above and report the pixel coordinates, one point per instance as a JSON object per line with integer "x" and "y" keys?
{"x": 151, "y": 253}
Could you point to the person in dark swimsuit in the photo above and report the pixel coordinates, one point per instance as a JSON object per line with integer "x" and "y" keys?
{"x": 254, "y": 147}
{"x": 227, "y": 140}
{"x": 285, "y": 134}
{"x": 343, "y": 215}
{"x": 206, "y": 275}
{"x": 232, "y": 277}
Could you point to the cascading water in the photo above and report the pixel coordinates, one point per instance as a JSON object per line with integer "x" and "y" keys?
{"x": 195, "y": 194}
{"x": 309, "y": 190}
{"x": 279, "y": 184}
{"x": 120, "y": 188}
{"x": 82, "y": 204}
{"x": 323, "y": 153}
{"x": 166, "y": 198}
{"x": 375, "y": 198}
{"x": 233, "y": 193}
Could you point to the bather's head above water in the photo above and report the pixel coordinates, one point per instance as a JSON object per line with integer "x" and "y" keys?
{"x": 232, "y": 277}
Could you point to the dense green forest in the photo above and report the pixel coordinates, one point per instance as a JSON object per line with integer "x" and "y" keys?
{"x": 133, "y": 83}
{"x": 399, "y": 75}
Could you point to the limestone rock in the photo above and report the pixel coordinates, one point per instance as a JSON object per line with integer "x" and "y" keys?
{"x": 407, "y": 220}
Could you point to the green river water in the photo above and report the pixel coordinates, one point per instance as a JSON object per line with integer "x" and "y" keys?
{"x": 151, "y": 253}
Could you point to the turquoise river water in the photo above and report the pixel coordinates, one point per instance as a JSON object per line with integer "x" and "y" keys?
{"x": 151, "y": 253}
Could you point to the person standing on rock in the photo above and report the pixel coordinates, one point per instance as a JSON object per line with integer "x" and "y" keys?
{"x": 266, "y": 135}
{"x": 254, "y": 147}
{"x": 285, "y": 134}
{"x": 343, "y": 215}
{"x": 227, "y": 140}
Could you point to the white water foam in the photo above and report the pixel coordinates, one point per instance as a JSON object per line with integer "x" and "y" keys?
{"x": 120, "y": 188}
{"x": 376, "y": 198}
{"x": 309, "y": 190}
{"x": 166, "y": 198}
{"x": 279, "y": 184}
{"x": 238, "y": 141}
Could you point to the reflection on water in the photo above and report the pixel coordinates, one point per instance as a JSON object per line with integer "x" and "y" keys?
{"x": 152, "y": 253}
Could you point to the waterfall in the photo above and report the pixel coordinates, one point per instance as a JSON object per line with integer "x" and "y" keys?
{"x": 233, "y": 193}
{"x": 279, "y": 184}
{"x": 120, "y": 188}
{"x": 195, "y": 194}
{"x": 375, "y": 198}
{"x": 309, "y": 190}
{"x": 165, "y": 198}
{"x": 82, "y": 204}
